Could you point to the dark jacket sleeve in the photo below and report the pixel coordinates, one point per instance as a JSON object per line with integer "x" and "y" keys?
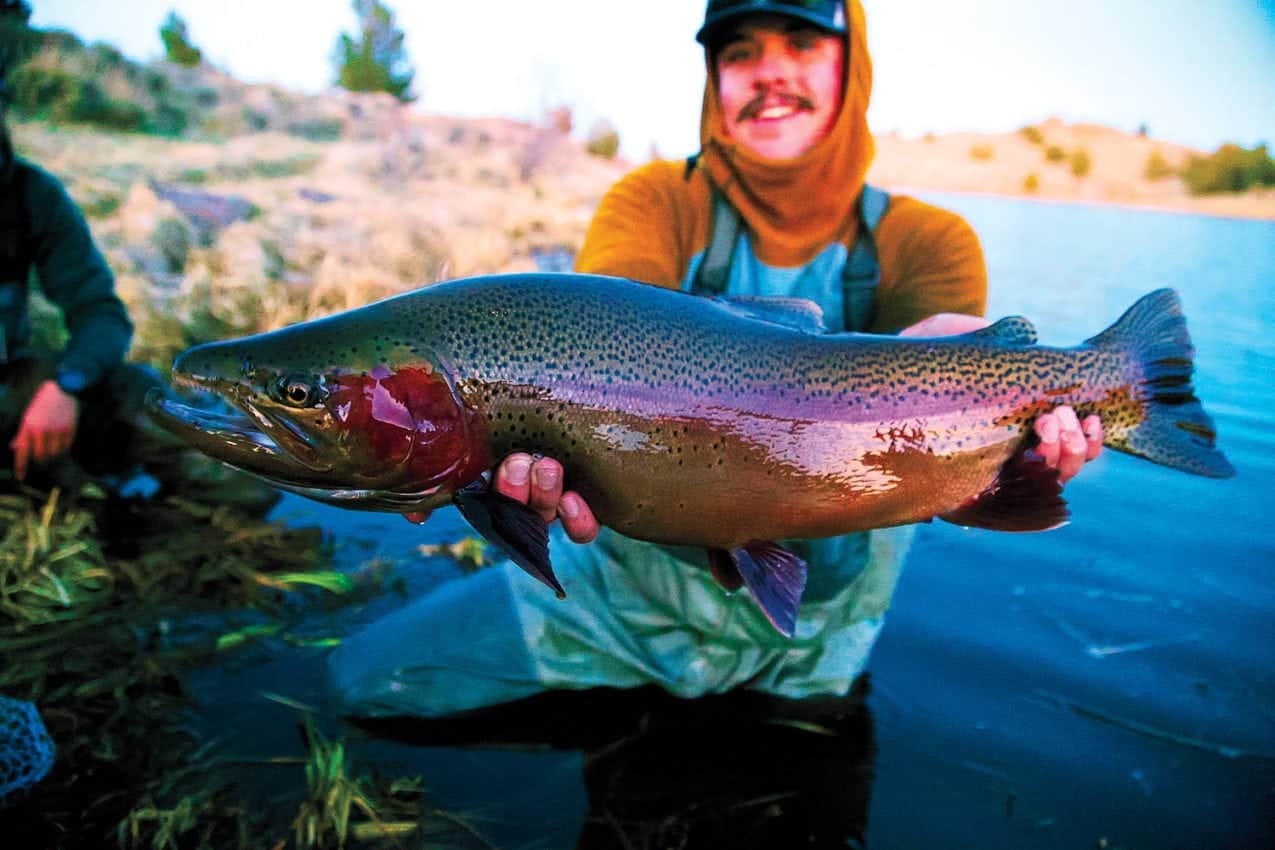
{"x": 74, "y": 276}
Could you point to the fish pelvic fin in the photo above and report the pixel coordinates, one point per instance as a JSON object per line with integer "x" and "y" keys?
{"x": 775, "y": 577}
{"x": 1026, "y": 496}
{"x": 514, "y": 528}
{"x": 1175, "y": 430}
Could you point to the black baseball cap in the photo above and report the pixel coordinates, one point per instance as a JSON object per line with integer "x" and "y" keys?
{"x": 829, "y": 15}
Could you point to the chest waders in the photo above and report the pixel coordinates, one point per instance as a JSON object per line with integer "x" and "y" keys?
{"x": 859, "y": 277}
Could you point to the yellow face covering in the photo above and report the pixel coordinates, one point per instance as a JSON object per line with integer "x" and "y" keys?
{"x": 795, "y": 208}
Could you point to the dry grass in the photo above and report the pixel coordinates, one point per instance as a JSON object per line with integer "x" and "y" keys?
{"x": 337, "y": 224}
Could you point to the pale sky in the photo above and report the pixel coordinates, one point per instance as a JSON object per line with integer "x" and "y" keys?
{"x": 1200, "y": 72}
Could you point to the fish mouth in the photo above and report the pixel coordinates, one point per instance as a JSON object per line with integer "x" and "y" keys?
{"x": 246, "y": 436}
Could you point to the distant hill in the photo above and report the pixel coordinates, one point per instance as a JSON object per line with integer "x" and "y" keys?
{"x": 1038, "y": 162}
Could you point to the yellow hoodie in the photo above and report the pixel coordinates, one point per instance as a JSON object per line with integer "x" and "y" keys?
{"x": 652, "y": 223}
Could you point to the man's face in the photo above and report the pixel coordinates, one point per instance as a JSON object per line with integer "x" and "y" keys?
{"x": 779, "y": 81}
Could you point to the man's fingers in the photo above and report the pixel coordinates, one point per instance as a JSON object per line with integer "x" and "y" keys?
{"x": 1092, "y": 429}
{"x": 21, "y": 452}
{"x": 1046, "y": 428}
{"x": 59, "y": 442}
{"x": 1072, "y": 456}
{"x": 513, "y": 477}
{"x": 546, "y": 487}
{"x": 577, "y": 518}
{"x": 39, "y": 445}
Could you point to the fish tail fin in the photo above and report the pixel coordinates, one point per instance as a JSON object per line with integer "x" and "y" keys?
{"x": 1173, "y": 428}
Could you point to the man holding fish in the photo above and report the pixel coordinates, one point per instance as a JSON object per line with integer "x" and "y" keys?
{"x": 775, "y": 204}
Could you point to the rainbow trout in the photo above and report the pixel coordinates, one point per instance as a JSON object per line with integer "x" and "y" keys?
{"x": 726, "y": 424}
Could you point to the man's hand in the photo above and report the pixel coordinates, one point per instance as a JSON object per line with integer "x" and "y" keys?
{"x": 537, "y": 483}
{"x": 1066, "y": 443}
{"x": 47, "y": 429}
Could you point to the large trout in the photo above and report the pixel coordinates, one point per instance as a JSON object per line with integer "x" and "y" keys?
{"x": 723, "y": 424}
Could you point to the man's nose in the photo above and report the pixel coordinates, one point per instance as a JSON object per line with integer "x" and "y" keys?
{"x": 774, "y": 65}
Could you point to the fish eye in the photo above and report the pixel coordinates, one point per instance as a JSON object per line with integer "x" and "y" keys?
{"x": 297, "y": 391}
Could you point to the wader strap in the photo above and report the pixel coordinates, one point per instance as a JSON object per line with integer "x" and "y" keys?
{"x": 859, "y": 278}
{"x": 714, "y": 271}
{"x": 862, "y": 272}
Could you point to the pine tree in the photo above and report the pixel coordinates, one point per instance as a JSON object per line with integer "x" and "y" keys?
{"x": 177, "y": 46}
{"x": 15, "y": 36}
{"x": 375, "y": 59}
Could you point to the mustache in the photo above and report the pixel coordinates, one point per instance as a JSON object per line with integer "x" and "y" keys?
{"x": 754, "y": 106}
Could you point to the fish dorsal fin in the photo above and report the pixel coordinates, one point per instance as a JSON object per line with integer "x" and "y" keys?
{"x": 1026, "y": 496}
{"x": 1013, "y": 330}
{"x": 799, "y": 313}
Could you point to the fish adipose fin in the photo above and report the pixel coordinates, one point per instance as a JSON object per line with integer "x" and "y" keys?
{"x": 1014, "y": 330}
{"x": 1027, "y": 496}
{"x": 776, "y": 578}
{"x": 1175, "y": 430}
{"x": 515, "y": 528}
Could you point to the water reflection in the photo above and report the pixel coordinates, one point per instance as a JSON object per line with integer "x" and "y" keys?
{"x": 740, "y": 770}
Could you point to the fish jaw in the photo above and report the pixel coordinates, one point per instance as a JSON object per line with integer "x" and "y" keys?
{"x": 249, "y": 441}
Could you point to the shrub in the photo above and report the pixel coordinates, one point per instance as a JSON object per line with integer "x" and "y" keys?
{"x": 1032, "y": 134}
{"x": 302, "y": 163}
{"x": 604, "y": 141}
{"x": 1230, "y": 168}
{"x": 317, "y": 129}
{"x": 1031, "y": 183}
{"x": 65, "y": 81}
{"x": 101, "y": 205}
{"x": 1157, "y": 167}
{"x": 1080, "y": 162}
{"x": 982, "y": 153}
{"x": 177, "y": 46}
{"x": 66, "y": 97}
{"x": 172, "y": 239}
{"x": 1053, "y": 153}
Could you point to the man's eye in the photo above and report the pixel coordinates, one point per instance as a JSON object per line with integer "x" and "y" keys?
{"x": 735, "y": 53}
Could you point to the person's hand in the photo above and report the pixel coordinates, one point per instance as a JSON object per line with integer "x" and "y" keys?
{"x": 1066, "y": 443}
{"x": 945, "y": 324}
{"x": 537, "y": 483}
{"x": 47, "y": 429}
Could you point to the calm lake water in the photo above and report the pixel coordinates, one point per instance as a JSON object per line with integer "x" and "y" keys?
{"x": 1113, "y": 680}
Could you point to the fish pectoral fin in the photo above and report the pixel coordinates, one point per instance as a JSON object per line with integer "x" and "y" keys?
{"x": 1027, "y": 496}
{"x": 776, "y": 578}
{"x": 516, "y": 529}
